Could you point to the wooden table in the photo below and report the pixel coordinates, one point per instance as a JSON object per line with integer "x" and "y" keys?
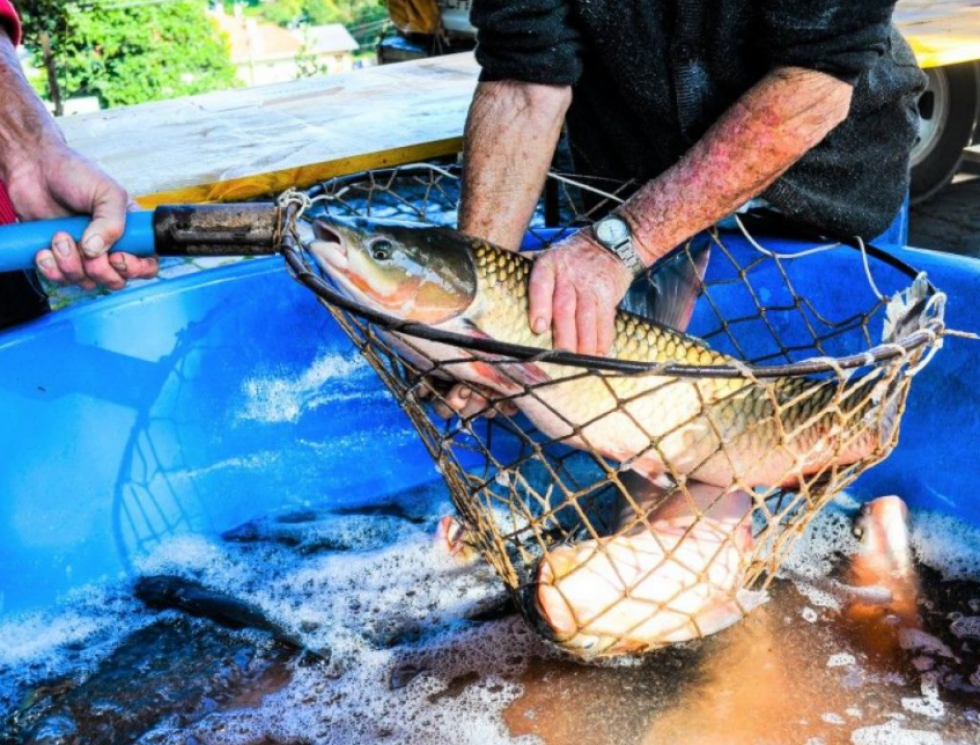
{"x": 244, "y": 143}
{"x": 239, "y": 144}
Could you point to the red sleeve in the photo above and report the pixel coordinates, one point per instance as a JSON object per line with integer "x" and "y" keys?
{"x": 9, "y": 19}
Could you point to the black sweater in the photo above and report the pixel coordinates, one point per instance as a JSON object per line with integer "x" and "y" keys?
{"x": 651, "y": 76}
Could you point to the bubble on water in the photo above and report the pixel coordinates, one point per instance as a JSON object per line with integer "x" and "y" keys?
{"x": 71, "y": 636}
{"x": 892, "y": 733}
{"x": 947, "y": 545}
{"x": 818, "y": 596}
{"x": 831, "y": 533}
{"x": 809, "y": 615}
{"x": 286, "y": 398}
{"x": 841, "y": 659}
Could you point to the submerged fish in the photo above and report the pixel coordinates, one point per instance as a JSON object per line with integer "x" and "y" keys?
{"x": 717, "y": 430}
{"x": 675, "y": 575}
{"x": 884, "y": 561}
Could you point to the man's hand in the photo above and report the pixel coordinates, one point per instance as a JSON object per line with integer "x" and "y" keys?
{"x": 57, "y": 182}
{"x": 576, "y": 287}
{"x": 45, "y": 178}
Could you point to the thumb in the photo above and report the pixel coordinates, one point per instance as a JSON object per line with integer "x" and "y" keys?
{"x": 108, "y": 218}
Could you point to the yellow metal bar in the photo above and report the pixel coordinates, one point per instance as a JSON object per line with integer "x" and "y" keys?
{"x": 933, "y": 52}
{"x": 274, "y": 182}
{"x": 940, "y": 32}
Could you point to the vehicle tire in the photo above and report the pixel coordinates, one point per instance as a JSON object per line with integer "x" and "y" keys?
{"x": 948, "y": 111}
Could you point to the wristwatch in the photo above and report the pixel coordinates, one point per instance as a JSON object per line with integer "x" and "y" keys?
{"x": 614, "y": 234}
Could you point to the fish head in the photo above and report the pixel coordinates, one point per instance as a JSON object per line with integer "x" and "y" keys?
{"x": 415, "y": 273}
{"x": 883, "y": 530}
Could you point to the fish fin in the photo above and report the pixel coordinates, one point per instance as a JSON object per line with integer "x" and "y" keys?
{"x": 676, "y": 285}
{"x": 730, "y": 612}
{"x": 501, "y": 369}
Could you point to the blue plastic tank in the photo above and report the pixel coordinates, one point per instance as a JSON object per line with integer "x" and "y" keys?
{"x": 197, "y": 403}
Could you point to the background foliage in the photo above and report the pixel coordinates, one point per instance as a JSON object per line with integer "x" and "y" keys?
{"x": 364, "y": 18}
{"x": 127, "y": 52}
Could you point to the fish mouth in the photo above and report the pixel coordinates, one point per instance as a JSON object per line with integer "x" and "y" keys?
{"x": 330, "y": 247}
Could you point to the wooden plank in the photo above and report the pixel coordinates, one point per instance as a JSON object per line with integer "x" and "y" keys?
{"x": 239, "y": 144}
{"x": 941, "y": 32}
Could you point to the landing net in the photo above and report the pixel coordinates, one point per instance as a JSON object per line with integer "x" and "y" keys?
{"x": 647, "y": 498}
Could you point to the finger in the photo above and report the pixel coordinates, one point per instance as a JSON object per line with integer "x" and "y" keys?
{"x": 109, "y": 275}
{"x": 48, "y": 267}
{"x": 453, "y": 402}
{"x": 475, "y": 404}
{"x": 563, "y": 313}
{"x": 69, "y": 261}
{"x": 134, "y": 267}
{"x": 108, "y": 217}
{"x": 606, "y": 327}
{"x": 542, "y": 290}
{"x": 585, "y": 322}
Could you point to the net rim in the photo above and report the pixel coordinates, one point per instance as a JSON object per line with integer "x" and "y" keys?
{"x": 292, "y": 251}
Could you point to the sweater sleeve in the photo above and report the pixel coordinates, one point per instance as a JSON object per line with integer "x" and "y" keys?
{"x": 531, "y": 41}
{"x": 10, "y": 21}
{"x": 843, "y": 38}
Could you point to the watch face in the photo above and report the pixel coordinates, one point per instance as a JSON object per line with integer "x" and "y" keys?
{"x": 612, "y": 230}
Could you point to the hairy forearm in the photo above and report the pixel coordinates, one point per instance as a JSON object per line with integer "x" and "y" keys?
{"x": 755, "y": 142}
{"x": 25, "y": 125}
{"x": 511, "y": 134}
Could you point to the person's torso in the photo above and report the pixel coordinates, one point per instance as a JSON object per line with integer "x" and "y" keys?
{"x": 657, "y": 75}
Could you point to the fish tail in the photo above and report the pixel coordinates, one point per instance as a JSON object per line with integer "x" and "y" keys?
{"x": 906, "y": 313}
{"x": 911, "y": 310}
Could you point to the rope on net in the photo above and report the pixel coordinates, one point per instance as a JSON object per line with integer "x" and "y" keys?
{"x": 647, "y": 498}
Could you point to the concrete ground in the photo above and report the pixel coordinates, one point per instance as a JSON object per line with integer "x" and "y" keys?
{"x": 950, "y": 221}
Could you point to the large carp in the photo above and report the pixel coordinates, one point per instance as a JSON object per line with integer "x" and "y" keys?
{"x": 717, "y": 430}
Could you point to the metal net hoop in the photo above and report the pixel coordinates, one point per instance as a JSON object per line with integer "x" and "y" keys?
{"x": 613, "y": 522}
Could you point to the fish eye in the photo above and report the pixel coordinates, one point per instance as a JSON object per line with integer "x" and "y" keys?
{"x": 381, "y": 250}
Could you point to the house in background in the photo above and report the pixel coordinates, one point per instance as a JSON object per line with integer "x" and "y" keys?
{"x": 265, "y": 53}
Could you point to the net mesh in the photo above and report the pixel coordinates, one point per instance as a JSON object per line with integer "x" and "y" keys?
{"x": 649, "y": 498}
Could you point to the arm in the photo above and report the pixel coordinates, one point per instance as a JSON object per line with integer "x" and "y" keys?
{"x": 511, "y": 134}
{"x": 756, "y": 141}
{"x": 576, "y": 287}
{"x": 45, "y": 178}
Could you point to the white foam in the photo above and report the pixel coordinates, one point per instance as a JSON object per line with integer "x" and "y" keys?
{"x": 841, "y": 659}
{"x": 946, "y": 544}
{"x": 892, "y": 733}
{"x": 90, "y": 622}
{"x": 349, "y": 603}
{"x": 275, "y": 399}
{"x": 395, "y": 603}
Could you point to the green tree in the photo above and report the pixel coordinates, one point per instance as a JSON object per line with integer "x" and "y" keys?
{"x": 364, "y": 18}
{"x": 127, "y": 52}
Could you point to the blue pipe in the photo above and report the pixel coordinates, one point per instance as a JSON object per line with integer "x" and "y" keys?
{"x": 20, "y": 242}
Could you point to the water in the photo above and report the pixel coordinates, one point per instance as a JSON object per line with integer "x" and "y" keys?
{"x": 402, "y": 645}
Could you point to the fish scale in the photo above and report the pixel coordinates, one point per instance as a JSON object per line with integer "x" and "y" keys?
{"x": 675, "y": 415}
